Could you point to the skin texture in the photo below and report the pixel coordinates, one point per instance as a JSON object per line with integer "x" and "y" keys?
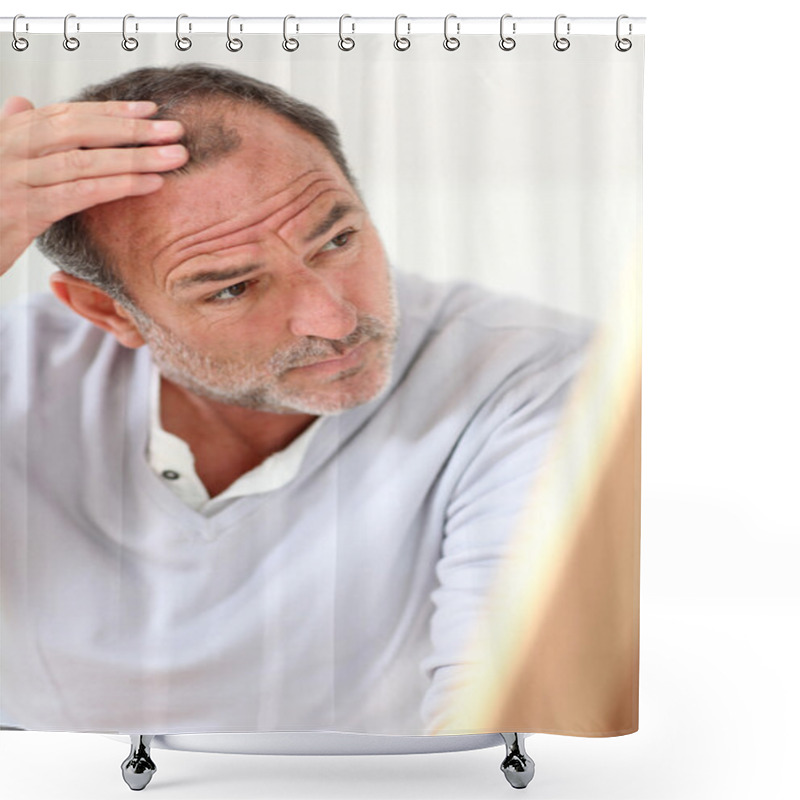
{"x": 263, "y": 293}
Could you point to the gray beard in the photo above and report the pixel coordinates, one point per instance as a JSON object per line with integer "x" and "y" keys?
{"x": 260, "y": 387}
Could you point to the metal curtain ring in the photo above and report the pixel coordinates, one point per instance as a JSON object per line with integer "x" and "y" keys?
{"x": 233, "y": 44}
{"x": 401, "y": 42}
{"x": 182, "y": 42}
{"x": 561, "y": 43}
{"x": 623, "y": 45}
{"x": 70, "y": 42}
{"x": 289, "y": 44}
{"x": 19, "y": 43}
{"x": 451, "y": 42}
{"x": 128, "y": 42}
{"x": 506, "y": 42}
{"x": 346, "y": 42}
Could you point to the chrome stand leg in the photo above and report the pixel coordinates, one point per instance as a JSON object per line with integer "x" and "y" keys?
{"x": 138, "y": 768}
{"x": 517, "y": 766}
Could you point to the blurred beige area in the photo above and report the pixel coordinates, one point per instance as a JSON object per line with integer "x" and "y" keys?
{"x": 558, "y": 649}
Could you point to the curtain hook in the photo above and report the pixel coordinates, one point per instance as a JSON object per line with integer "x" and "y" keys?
{"x": 289, "y": 44}
{"x": 451, "y": 42}
{"x": 182, "y": 42}
{"x": 623, "y": 45}
{"x": 561, "y": 43}
{"x": 401, "y": 42}
{"x": 19, "y": 43}
{"x": 70, "y": 42}
{"x": 346, "y": 42}
{"x": 128, "y": 42}
{"x": 234, "y": 45}
{"x": 506, "y": 42}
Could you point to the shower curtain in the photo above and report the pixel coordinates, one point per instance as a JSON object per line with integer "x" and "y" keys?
{"x": 348, "y": 440}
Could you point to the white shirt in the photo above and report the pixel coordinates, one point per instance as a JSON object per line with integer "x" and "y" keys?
{"x": 173, "y": 461}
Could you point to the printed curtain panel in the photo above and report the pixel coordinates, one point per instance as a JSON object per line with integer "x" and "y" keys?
{"x": 321, "y": 376}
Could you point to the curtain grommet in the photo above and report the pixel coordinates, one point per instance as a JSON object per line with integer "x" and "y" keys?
{"x": 401, "y": 43}
{"x": 623, "y": 44}
{"x": 233, "y": 44}
{"x": 129, "y": 43}
{"x": 451, "y": 43}
{"x": 507, "y": 43}
{"x": 70, "y": 43}
{"x": 561, "y": 43}
{"x": 182, "y": 43}
{"x": 346, "y": 43}
{"x": 289, "y": 44}
{"x": 19, "y": 43}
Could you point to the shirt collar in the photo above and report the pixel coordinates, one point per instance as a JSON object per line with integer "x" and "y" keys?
{"x": 171, "y": 458}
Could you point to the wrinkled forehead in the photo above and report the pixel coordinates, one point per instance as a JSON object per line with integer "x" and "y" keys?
{"x": 273, "y": 164}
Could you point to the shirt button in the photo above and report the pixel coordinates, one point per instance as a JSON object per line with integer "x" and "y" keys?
{"x": 170, "y": 475}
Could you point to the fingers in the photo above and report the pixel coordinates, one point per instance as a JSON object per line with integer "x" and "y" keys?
{"x": 51, "y": 203}
{"x": 71, "y": 165}
{"x": 61, "y": 159}
{"x": 72, "y": 141}
{"x": 47, "y": 132}
{"x": 112, "y": 108}
{"x": 13, "y": 105}
{"x": 28, "y": 132}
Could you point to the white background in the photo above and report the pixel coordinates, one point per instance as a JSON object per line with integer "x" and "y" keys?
{"x": 720, "y": 529}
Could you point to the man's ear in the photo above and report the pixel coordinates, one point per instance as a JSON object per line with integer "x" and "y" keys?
{"x": 87, "y": 300}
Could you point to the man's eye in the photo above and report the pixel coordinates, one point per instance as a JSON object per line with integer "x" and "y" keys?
{"x": 338, "y": 241}
{"x": 231, "y": 292}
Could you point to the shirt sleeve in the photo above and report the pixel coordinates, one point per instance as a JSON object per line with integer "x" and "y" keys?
{"x": 500, "y": 456}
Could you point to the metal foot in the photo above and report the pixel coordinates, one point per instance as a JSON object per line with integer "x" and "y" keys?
{"x": 138, "y": 768}
{"x": 517, "y": 766}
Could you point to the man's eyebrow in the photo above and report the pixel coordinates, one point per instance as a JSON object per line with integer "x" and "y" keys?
{"x": 334, "y": 215}
{"x": 216, "y": 275}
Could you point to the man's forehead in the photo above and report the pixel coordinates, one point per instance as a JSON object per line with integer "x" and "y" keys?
{"x": 275, "y": 164}
{"x": 271, "y": 150}
{"x": 264, "y": 130}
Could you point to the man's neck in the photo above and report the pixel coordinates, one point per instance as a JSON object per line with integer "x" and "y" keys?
{"x": 227, "y": 441}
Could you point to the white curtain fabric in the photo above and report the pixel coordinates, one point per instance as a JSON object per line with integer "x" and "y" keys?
{"x": 516, "y": 172}
{"x": 517, "y": 169}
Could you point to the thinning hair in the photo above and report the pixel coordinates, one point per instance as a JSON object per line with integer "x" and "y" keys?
{"x": 197, "y": 95}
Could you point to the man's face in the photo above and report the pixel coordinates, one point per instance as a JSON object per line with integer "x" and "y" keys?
{"x": 260, "y": 279}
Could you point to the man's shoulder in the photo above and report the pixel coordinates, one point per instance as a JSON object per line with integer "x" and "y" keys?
{"x": 40, "y": 336}
{"x": 37, "y": 311}
{"x": 483, "y": 320}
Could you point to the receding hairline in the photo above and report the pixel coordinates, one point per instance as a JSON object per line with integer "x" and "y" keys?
{"x": 189, "y": 86}
{"x": 208, "y": 136}
{"x": 242, "y": 119}
{"x": 191, "y": 91}
{"x": 215, "y": 129}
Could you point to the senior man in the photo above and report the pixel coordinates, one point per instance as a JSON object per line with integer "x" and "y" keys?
{"x": 253, "y": 479}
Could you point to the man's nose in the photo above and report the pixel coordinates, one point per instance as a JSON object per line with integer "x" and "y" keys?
{"x": 317, "y": 308}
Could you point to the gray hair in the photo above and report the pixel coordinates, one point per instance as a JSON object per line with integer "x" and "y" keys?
{"x": 180, "y": 93}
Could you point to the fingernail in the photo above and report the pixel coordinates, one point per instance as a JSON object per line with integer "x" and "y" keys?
{"x": 142, "y": 107}
{"x": 151, "y": 182}
{"x": 172, "y": 151}
{"x": 167, "y": 127}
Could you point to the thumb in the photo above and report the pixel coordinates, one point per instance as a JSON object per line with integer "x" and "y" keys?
{"x": 13, "y": 105}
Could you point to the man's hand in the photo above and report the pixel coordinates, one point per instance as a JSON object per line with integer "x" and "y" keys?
{"x": 64, "y": 158}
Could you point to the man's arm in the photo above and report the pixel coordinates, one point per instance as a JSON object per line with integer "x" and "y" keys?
{"x": 64, "y": 158}
{"x": 502, "y": 455}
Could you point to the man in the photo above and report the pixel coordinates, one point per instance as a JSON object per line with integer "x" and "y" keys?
{"x": 252, "y": 478}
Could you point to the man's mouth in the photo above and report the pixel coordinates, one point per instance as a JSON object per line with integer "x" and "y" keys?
{"x": 335, "y": 363}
